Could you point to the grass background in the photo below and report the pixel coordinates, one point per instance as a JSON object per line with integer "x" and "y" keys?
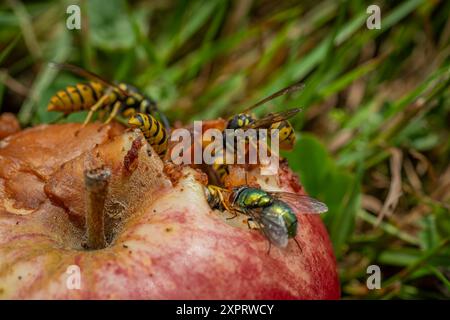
{"x": 373, "y": 137}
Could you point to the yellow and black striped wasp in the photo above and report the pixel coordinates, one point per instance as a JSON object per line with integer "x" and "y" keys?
{"x": 153, "y": 131}
{"x": 124, "y": 99}
{"x": 272, "y": 121}
{"x": 101, "y": 94}
{"x": 273, "y": 212}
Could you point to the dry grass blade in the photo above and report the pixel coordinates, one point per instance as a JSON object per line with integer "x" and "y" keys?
{"x": 13, "y": 84}
{"x": 27, "y": 28}
{"x": 395, "y": 189}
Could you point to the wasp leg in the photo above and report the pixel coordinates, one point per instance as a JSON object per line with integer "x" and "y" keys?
{"x": 113, "y": 113}
{"x": 102, "y": 114}
{"x": 94, "y": 108}
{"x": 227, "y": 207}
{"x": 234, "y": 216}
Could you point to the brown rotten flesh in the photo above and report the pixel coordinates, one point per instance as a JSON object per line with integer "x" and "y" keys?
{"x": 8, "y": 125}
{"x": 162, "y": 239}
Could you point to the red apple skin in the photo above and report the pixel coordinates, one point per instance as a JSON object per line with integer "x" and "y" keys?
{"x": 172, "y": 247}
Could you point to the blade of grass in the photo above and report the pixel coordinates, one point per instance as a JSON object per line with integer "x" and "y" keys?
{"x": 440, "y": 276}
{"x": 5, "y": 52}
{"x": 27, "y": 28}
{"x": 194, "y": 17}
{"x": 44, "y": 78}
{"x": 403, "y": 274}
{"x": 388, "y": 228}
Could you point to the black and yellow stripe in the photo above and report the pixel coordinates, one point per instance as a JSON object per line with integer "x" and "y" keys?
{"x": 153, "y": 131}
{"x": 100, "y": 95}
{"x": 286, "y": 134}
{"x": 221, "y": 169}
{"x": 137, "y": 103}
{"x": 76, "y": 98}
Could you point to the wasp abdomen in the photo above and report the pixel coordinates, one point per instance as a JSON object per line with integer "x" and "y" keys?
{"x": 286, "y": 134}
{"x": 153, "y": 131}
{"x": 82, "y": 96}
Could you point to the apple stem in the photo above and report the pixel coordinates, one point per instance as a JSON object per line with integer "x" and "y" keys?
{"x": 96, "y": 182}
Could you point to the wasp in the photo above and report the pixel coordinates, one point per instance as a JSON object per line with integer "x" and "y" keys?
{"x": 272, "y": 121}
{"x": 273, "y": 212}
{"x": 153, "y": 131}
{"x": 100, "y": 94}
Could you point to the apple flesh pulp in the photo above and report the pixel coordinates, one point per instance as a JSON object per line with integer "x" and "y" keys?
{"x": 164, "y": 243}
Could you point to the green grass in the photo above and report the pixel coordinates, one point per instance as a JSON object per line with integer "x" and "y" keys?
{"x": 369, "y": 95}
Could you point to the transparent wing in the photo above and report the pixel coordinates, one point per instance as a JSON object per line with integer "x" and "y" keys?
{"x": 301, "y": 203}
{"x": 274, "y": 228}
{"x": 293, "y": 87}
{"x": 87, "y": 74}
{"x": 271, "y": 118}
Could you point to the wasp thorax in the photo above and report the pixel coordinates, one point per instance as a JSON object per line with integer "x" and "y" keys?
{"x": 239, "y": 121}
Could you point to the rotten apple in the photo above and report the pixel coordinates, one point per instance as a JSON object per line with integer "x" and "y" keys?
{"x": 153, "y": 236}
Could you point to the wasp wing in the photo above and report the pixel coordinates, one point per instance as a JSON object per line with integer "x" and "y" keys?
{"x": 274, "y": 228}
{"x": 293, "y": 87}
{"x": 272, "y": 118}
{"x": 301, "y": 203}
{"x": 87, "y": 74}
